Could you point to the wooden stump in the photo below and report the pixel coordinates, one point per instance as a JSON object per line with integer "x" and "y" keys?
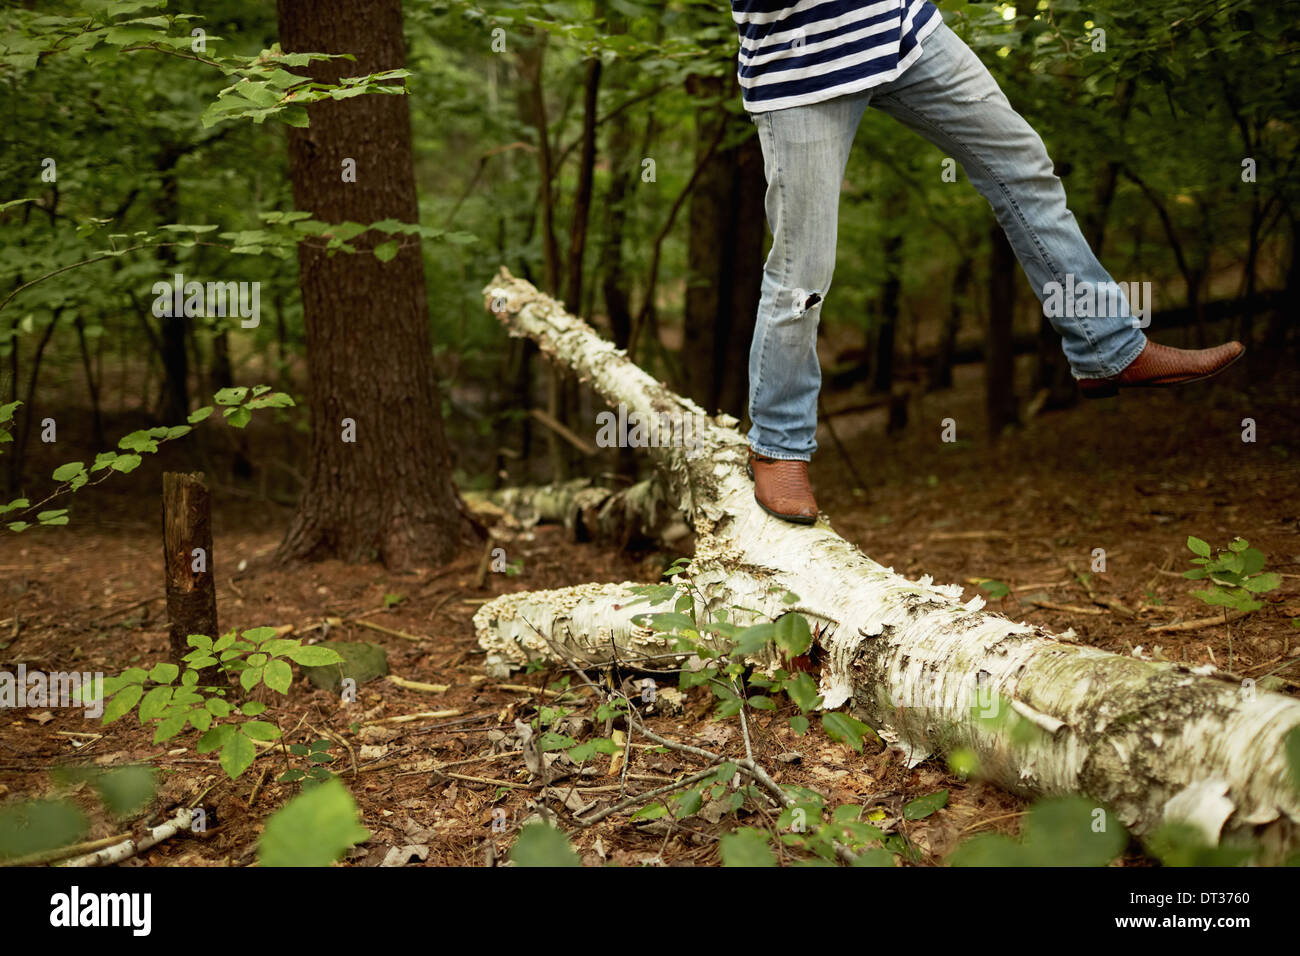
{"x": 187, "y": 559}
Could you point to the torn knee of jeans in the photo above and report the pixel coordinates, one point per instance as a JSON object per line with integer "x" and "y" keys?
{"x": 804, "y": 301}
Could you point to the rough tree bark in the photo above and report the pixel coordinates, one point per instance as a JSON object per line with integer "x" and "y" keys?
{"x": 387, "y": 494}
{"x": 191, "y": 591}
{"x": 1154, "y": 741}
{"x": 173, "y": 330}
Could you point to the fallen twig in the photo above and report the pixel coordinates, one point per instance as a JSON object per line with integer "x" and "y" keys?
{"x": 1071, "y": 608}
{"x": 130, "y": 847}
{"x": 555, "y": 425}
{"x": 126, "y": 607}
{"x": 642, "y": 797}
{"x": 1104, "y": 601}
{"x": 1198, "y": 623}
{"x": 388, "y": 630}
{"x": 418, "y": 685}
{"x": 63, "y": 852}
{"x": 492, "y": 781}
{"x": 252, "y": 797}
{"x": 525, "y": 689}
{"x": 407, "y": 718}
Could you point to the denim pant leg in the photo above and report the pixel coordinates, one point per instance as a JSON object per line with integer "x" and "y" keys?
{"x": 951, "y": 99}
{"x": 805, "y": 150}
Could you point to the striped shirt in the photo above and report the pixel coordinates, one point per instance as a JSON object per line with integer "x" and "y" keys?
{"x": 793, "y": 54}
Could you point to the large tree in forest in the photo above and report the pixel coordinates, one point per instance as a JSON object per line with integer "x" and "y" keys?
{"x": 724, "y": 251}
{"x": 379, "y": 481}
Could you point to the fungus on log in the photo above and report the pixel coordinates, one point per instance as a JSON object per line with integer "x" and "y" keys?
{"x": 1155, "y": 742}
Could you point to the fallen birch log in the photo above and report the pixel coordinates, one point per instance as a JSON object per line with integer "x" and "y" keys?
{"x": 590, "y": 512}
{"x": 1155, "y": 742}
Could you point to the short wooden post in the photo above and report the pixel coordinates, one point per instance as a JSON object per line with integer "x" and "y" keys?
{"x": 187, "y": 557}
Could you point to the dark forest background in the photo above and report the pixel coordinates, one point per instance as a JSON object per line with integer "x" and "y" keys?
{"x": 599, "y": 150}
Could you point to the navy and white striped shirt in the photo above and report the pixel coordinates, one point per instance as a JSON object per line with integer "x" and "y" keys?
{"x": 793, "y": 54}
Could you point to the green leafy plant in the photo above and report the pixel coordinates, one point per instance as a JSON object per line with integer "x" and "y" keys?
{"x": 173, "y": 700}
{"x": 7, "y": 410}
{"x": 811, "y": 826}
{"x": 34, "y": 828}
{"x": 261, "y": 85}
{"x": 315, "y": 828}
{"x": 1061, "y": 831}
{"x": 746, "y": 846}
{"x": 1181, "y": 844}
{"x": 238, "y": 405}
{"x": 1235, "y": 576}
{"x": 317, "y": 755}
{"x": 540, "y": 844}
{"x": 749, "y": 666}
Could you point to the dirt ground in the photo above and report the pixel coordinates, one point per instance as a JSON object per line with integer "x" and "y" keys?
{"x": 1133, "y": 476}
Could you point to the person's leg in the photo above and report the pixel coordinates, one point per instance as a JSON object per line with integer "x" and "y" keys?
{"x": 805, "y": 150}
{"x": 951, "y": 99}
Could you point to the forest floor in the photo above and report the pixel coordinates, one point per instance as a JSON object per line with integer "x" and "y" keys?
{"x": 1133, "y": 476}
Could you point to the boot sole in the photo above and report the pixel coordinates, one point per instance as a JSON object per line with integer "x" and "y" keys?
{"x": 793, "y": 519}
{"x": 1111, "y": 389}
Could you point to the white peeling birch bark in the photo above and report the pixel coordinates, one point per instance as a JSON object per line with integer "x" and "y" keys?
{"x": 118, "y": 852}
{"x": 1153, "y": 741}
{"x": 591, "y": 512}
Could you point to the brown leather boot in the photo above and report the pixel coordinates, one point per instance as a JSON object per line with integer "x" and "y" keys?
{"x": 1159, "y": 366}
{"x": 782, "y": 489}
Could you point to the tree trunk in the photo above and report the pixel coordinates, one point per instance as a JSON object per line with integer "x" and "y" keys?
{"x": 1287, "y": 308}
{"x": 173, "y": 329}
{"x": 532, "y": 111}
{"x": 1155, "y": 741}
{"x": 613, "y": 271}
{"x": 92, "y": 386}
{"x": 945, "y": 352}
{"x": 744, "y": 277}
{"x": 188, "y": 561}
{"x": 1052, "y": 372}
{"x": 27, "y": 413}
{"x": 582, "y": 194}
{"x": 725, "y": 257}
{"x": 623, "y": 169}
{"x": 1000, "y": 362}
{"x": 886, "y": 333}
{"x": 379, "y": 484}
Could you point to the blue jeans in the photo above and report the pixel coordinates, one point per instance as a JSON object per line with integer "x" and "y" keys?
{"x": 950, "y": 98}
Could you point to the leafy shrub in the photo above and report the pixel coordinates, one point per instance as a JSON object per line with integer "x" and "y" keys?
{"x": 256, "y": 656}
